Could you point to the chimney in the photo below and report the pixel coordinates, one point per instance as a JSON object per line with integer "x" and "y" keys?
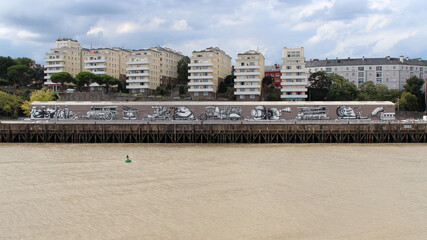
{"x": 363, "y": 58}
{"x": 407, "y": 58}
{"x": 348, "y": 58}
{"x": 388, "y": 57}
{"x": 401, "y": 59}
{"x": 275, "y": 66}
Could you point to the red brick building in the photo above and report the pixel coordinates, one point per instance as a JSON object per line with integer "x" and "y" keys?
{"x": 274, "y": 71}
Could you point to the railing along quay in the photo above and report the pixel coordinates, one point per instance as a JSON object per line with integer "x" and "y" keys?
{"x": 213, "y": 132}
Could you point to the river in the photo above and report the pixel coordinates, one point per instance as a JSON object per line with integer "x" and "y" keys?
{"x": 202, "y": 191}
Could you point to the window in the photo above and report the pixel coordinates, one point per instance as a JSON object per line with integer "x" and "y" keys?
{"x": 361, "y": 68}
{"x": 196, "y": 94}
{"x": 205, "y": 93}
{"x": 361, "y": 80}
{"x": 298, "y": 67}
{"x": 379, "y": 80}
{"x": 379, "y": 74}
{"x": 242, "y": 96}
{"x": 252, "y": 96}
{"x": 379, "y": 68}
{"x": 361, "y": 74}
{"x": 288, "y": 67}
{"x": 277, "y": 74}
{"x": 252, "y": 89}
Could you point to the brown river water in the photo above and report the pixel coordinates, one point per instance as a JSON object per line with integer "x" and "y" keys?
{"x": 197, "y": 191}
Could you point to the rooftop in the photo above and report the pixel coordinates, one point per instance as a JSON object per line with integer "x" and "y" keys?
{"x": 365, "y": 61}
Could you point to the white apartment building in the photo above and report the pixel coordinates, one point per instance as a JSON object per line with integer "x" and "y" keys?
{"x": 110, "y": 61}
{"x": 294, "y": 76}
{"x": 148, "y": 69}
{"x": 391, "y": 72}
{"x": 249, "y": 72}
{"x": 207, "y": 69}
{"x": 65, "y": 57}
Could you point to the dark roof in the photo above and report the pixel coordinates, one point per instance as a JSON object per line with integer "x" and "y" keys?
{"x": 365, "y": 61}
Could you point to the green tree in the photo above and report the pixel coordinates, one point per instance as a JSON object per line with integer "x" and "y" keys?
{"x": 62, "y": 78}
{"x": 108, "y": 81}
{"x": 9, "y": 105}
{"x": 267, "y": 80}
{"x": 5, "y": 63}
{"x": 341, "y": 89}
{"x": 319, "y": 84}
{"x": 414, "y": 85}
{"x": 408, "y": 102}
{"x": 24, "y": 61}
{"x": 20, "y": 74}
{"x": 84, "y": 78}
{"x": 182, "y": 69}
{"x": 182, "y": 90}
{"x": 38, "y": 95}
{"x": 367, "y": 92}
{"x": 222, "y": 88}
{"x": 229, "y": 80}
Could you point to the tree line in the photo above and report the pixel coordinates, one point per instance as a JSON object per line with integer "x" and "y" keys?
{"x": 83, "y": 79}
{"x": 333, "y": 87}
{"x": 17, "y": 72}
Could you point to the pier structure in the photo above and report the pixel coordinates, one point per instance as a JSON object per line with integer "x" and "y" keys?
{"x": 213, "y": 132}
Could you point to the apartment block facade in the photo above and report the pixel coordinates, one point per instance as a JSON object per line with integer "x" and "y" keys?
{"x": 110, "y": 61}
{"x": 391, "y": 72}
{"x": 67, "y": 56}
{"x": 294, "y": 76}
{"x": 207, "y": 69}
{"x": 147, "y": 69}
{"x": 249, "y": 72}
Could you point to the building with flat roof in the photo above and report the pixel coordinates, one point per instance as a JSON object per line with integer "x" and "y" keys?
{"x": 249, "y": 72}
{"x": 207, "y": 69}
{"x": 294, "y": 76}
{"x": 150, "y": 68}
{"x": 110, "y": 61}
{"x": 274, "y": 72}
{"x": 391, "y": 72}
{"x": 67, "y": 56}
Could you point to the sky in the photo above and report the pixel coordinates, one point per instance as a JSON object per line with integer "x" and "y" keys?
{"x": 325, "y": 28}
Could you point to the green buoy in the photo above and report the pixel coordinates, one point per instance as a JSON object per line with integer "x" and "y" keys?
{"x": 127, "y": 159}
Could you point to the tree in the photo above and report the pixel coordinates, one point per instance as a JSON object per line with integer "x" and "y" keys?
{"x": 341, "y": 89}
{"x": 9, "y": 105}
{"x": 182, "y": 69}
{"x": 62, "y": 78}
{"x": 5, "y": 63}
{"x": 84, "y": 78}
{"x": 229, "y": 80}
{"x": 413, "y": 85}
{"x": 20, "y": 74}
{"x": 222, "y": 88}
{"x": 108, "y": 81}
{"x": 267, "y": 80}
{"x": 319, "y": 84}
{"x": 24, "y": 61}
{"x": 38, "y": 95}
{"x": 182, "y": 90}
{"x": 408, "y": 102}
{"x": 367, "y": 92}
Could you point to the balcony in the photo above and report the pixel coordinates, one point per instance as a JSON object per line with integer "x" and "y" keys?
{"x": 200, "y": 64}
{"x": 54, "y": 60}
{"x": 283, "y": 83}
{"x": 246, "y": 73}
{"x": 247, "y": 67}
{"x": 304, "y": 76}
{"x": 137, "y": 74}
{"x": 293, "y": 71}
{"x": 96, "y": 61}
{"x": 53, "y": 71}
{"x": 137, "y": 68}
{"x": 200, "y": 90}
{"x": 96, "y": 67}
{"x": 200, "y": 77}
{"x": 137, "y": 62}
{"x": 294, "y": 96}
{"x": 54, "y": 65}
{"x": 138, "y": 80}
{"x": 99, "y": 72}
{"x": 247, "y": 80}
{"x": 247, "y": 86}
{"x": 137, "y": 86}
{"x": 200, "y": 83}
{"x": 298, "y": 89}
{"x": 248, "y": 93}
{"x": 201, "y": 71}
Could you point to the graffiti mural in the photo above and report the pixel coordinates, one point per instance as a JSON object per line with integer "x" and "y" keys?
{"x": 107, "y": 113}
{"x": 346, "y": 112}
{"x": 275, "y": 113}
{"x": 225, "y": 112}
{"x": 259, "y": 113}
{"x": 183, "y": 113}
{"x": 130, "y": 113}
{"x": 312, "y": 113}
{"x": 159, "y": 113}
{"x": 383, "y": 115}
{"x": 52, "y": 113}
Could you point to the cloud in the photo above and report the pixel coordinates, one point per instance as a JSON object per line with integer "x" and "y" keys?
{"x": 180, "y": 25}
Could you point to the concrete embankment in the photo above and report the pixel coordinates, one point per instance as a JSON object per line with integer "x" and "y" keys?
{"x": 233, "y": 132}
